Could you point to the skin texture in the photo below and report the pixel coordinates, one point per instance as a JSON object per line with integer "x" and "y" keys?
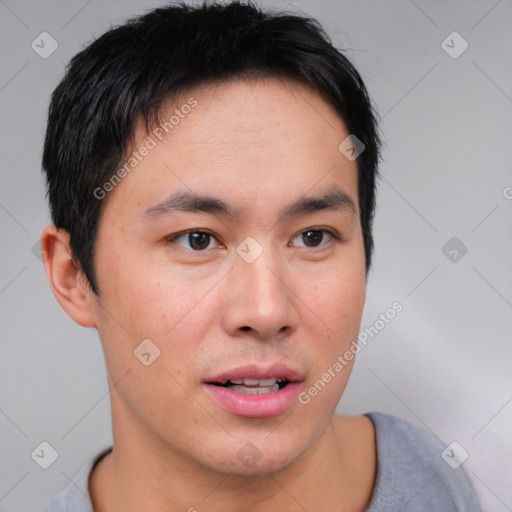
{"x": 258, "y": 145}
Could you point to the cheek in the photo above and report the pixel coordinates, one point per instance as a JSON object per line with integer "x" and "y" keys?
{"x": 336, "y": 302}
{"x": 140, "y": 303}
{"x": 149, "y": 299}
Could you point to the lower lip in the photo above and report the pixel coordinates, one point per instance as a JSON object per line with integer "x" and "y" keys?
{"x": 255, "y": 406}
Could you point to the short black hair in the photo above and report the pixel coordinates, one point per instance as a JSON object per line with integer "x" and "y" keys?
{"x": 132, "y": 70}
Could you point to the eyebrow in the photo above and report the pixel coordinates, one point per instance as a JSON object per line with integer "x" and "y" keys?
{"x": 333, "y": 199}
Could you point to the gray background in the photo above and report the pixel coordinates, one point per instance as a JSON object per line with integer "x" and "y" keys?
{"x": 443, "y": 362}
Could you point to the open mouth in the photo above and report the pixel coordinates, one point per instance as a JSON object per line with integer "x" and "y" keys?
{"x": 255, "y": 391}
{"x": 253, "y": 386}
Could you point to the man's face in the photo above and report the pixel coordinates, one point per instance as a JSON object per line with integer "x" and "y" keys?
{"x": 257, "y": 292}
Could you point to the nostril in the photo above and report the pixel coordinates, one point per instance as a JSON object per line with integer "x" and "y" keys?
{"x": 245, "y": 328}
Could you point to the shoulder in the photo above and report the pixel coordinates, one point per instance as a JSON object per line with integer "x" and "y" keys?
{"x": 75, "y": 496}
{"x": 72, "y": 497}
{"x": 411, "y": 474}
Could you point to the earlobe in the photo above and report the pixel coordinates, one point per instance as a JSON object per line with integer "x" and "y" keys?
{"x": 67, "y": 281}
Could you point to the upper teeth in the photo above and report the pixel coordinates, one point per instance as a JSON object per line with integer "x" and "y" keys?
{"x": 255, "y": 382}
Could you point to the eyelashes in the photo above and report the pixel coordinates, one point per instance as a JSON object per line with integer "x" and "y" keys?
{"x": 315, "y": 238}
{"x": 198, "y": 240}
{"x": 189, "y": 236}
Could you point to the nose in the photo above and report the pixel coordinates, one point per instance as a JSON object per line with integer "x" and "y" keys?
{"x": 260, "y": 299}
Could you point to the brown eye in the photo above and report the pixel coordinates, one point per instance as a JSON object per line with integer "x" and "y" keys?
{"x": 195, "y": 240}
{"x": 312, "y": 237}
{"x": 199, "y": 240}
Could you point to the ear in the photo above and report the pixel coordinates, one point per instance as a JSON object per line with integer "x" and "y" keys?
{"x": 66, "y": 278}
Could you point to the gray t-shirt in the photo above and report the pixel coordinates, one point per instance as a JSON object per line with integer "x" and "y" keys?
{"x": 411, "y": 475}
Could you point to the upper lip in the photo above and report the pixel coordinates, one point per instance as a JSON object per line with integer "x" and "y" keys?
{"x": 253, "y": 371}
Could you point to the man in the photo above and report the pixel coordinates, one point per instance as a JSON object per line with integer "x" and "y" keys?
{"x": 211, "y": 174}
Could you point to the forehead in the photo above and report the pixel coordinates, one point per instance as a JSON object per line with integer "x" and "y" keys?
{"x": 247, "y": 111}
{"x": 249, "y": 137}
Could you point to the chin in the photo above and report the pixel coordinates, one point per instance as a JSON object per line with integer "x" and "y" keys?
{"x": 264, "y": 467}
{"x": 257, "y": 457}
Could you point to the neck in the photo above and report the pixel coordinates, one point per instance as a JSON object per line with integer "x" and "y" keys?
{"x": 152, "y": 477}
